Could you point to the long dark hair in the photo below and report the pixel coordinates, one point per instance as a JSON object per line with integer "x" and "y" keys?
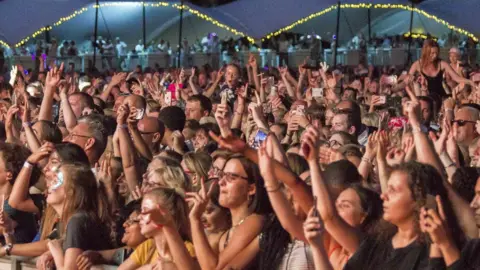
{"x": 372, "y": 206}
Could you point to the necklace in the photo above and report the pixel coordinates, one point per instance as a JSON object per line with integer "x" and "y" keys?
{"x": 240, "y": 222}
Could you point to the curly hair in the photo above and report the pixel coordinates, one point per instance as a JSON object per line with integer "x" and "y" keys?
{"x": 14, "y": 156}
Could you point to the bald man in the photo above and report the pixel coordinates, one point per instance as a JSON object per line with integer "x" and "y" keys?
{"x": 464, "y": 125}
{"x": 152, "y": 131}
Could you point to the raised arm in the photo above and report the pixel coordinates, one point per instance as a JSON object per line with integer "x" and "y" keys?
{"x": 454, "y": 75}
{"x": 284, "y": 74}
{"x": 116, "y": 80}
{"x": 214, "y": 86}
{"x": 344, "y": 234}
{"x": 53, "y": 77}
{"x": 126, "y": 149}
{"x": 282, "y": 207}
{"x": 19, "y": 197}
{"x": 138, "y": 141}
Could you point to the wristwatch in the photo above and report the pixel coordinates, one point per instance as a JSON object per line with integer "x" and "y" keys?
{"x": 8, "y": 248}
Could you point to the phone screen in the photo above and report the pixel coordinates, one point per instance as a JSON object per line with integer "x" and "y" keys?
{"x": 259, "y": 139}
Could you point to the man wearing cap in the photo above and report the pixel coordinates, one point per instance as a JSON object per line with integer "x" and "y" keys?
{"x": 121, "y": 52}
{"x": 454, "y": 56}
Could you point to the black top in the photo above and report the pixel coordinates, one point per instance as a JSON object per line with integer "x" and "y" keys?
{"x": 26, "y": 228}
{"x": 86, "y": 233}
{"x": 376, "y": 254}
{"x": 469, "y": 257}
{"x": 435, "y": 84}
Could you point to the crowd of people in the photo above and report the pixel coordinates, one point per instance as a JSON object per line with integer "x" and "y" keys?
{"x": 243, "y": 167}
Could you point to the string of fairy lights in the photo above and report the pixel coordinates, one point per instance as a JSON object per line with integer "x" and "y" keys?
{"x": 239, "y": 33}
{"x": 374, "y": 6}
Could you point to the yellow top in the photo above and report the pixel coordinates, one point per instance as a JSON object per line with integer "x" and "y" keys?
{"x": 146, "y": 252}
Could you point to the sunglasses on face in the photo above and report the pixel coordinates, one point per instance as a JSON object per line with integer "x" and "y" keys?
{"x": 462, "y": 123}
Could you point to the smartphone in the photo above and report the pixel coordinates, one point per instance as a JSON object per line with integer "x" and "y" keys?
{"x": 224, "y": 97}
{"x": 300, "y": 110}
{"x": 168, "y": 98}
{"x": 140, "y": 113}
{"x": 260, "y": 137}
{"x": 382, "y": 99}
{"x": 315, "y": 209}
{"x": 271, "y": 80}
{"x": 317, "y": 92}
{"x": 431, "y": 202}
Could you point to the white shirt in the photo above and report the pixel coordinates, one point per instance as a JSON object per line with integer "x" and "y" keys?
{"x": 162, "y": 47}
{"x": 139, "y": 48}
{"x": 121, "y": 48}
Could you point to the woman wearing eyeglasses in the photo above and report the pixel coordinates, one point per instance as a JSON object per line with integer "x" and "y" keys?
{"x": 242, "y": 192}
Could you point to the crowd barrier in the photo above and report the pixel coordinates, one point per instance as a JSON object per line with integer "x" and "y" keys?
{"x": 21, "y": 263}
{"x": 348, "y": 57}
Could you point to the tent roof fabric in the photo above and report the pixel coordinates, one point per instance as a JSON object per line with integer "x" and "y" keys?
{"x": 255, "y": 18}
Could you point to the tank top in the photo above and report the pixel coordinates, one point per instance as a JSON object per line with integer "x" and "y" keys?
{"x": 435, "y": 84}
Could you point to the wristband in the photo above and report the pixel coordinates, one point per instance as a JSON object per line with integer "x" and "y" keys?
{"x": 124, "y": 126}
{"x": 271, "y": 190}
{"x": 367, "y": 160}
{"x": 27, "y": 165}
{"x": 416, "y": 129}
{"x": 27, "y": 124}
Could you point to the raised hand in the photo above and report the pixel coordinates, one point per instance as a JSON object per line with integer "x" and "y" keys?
{"x": 313, "y": 228}
{"x": 122, "y": 114}
{"x": 13, "y": 75}
{"x": 395, "y": 156}
{"x": 159, "y": 216}
{"x": 54, "y": 75}
{"x": 229, "y": 142}
{"x": 118, "y": 78}
{"x": 324, "y": 67}
{"x": 434, "y": 223}
{"x": 413, "y": 109}
{"x": 104, "y": 170}
{"x": 310, "y": 144}
{"x": 199, "y": 199}
{"x": 252, "y": 61}
{"x": 222, "y": 115}
{"x": 43, "y": 152}
{"x": 10, "y": 115}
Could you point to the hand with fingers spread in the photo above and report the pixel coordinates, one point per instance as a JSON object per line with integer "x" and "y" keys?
{"x": 313, "y": 228}
{"x": 372, "y": 144}
{"x": 229, "y": 142}
{"x": 118, "y": 78}
{"x": 13, "y": 75}
{"x": 199, "y": 200}
{"x": 104, "y": 171}
{"x": 324, "y": 67}
{"x": 43, "y": 152}
{"x": 53, "y": 76}
{"x": 395, "y": 156}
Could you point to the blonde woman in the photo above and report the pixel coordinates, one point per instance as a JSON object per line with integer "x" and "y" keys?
{"x": 196, "y": 165}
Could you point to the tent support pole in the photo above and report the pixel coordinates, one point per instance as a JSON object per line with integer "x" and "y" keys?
{"x": 369, "y": 15}
{"x": 144, "y": 28}
{"x": 336, "y": 36}
{"x": 409, "y": 56}
{"x": 95, "y": 33}
{"x": 180, "y": 37}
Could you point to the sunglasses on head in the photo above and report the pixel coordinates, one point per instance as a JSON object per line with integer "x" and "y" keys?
{"x": 462, "y": 123}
